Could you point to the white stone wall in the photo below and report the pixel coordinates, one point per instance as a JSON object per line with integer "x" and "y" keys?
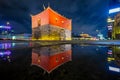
{"x": 68, "y": 34}
{"x": 53, "y": 31}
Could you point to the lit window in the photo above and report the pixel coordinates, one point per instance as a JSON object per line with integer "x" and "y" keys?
{"x": 56, "y": 19}
{"x": 62, "y": 21}
{"x": 56, "y": 59}
{"x": 39, "y": 22}
{"x": 62, "y": 58}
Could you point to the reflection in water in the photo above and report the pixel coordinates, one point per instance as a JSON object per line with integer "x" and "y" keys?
{"x": 49, "y": 58}
{"x": 88, "y": 62}
{"x": 5, "y": 55}
{"x": 6, "y": 45}
{"x": 13, "y": 45}
{"x": 5, "y": 51}
{"x": 114, "y": 58}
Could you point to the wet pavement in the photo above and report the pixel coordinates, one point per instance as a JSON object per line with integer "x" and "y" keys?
{"x": 59, "y": 62}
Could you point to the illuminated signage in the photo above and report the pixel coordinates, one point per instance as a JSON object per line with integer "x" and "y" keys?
{"x": 114, "y": 10}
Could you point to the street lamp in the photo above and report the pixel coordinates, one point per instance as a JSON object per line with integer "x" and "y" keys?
{"x": 8, "y": 23}
{"x": 97, "y": 30}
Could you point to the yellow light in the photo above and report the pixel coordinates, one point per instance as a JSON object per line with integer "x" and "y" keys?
{"x": 110, "y": 59}
{"x": 110, "y": 20}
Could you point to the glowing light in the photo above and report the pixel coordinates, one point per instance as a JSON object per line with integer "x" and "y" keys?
{"x": 114, "y": 10}
{"x": 62, "y": 21}
{"x": 8, "y": 23}
{"x": 109, "y": 27}
{"x": 6, "y": 27}
{"x": 109, "y": 51}
{"x": 114, "y": 69}
{"x": 5, "y": 45}
{"x": 110, "y": 59}
{"x": 5, "y": 53}
{"x": 110, "y": 20}
{"x": 13, "y": 37}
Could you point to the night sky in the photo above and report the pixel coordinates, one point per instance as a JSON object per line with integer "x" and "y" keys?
{"x": 114, "y": 3}
{"x": 87, "y": 15}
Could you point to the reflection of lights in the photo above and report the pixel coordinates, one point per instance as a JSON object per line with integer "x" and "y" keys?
{"x": 62, "y": 58}
{"x": 114, "y": 10}
{"x": 110, "y": 20}
{"x": 110, "y": 59}
{"x": 13, "y": 37}
{"x": 114, "y": 69}
{"x": 8, "y": 56}
{"x": 38, "y": 60}
{"x": 110, "y": 27}
{"x": 13, "y": 44}
{"x": 5, "y": 53}
{"x": 9, "y": 60}
{"x": 1, "y": 53}
{"x": 109, "y": 51}
{"x": 6, "y": 45}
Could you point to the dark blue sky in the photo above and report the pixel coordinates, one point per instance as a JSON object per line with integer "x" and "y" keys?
{"x": 114, "y": 3}
{"x": 87, "y": 15}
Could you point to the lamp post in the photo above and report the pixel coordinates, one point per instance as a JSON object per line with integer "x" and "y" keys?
{"x": 97, "y": 31}
{"x": 7, "y": 23}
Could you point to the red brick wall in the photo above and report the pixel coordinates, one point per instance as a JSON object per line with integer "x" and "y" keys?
{"x": 58, "y": 20}
{"x": 49, "y": 16}
{"x": 43, "y": 16}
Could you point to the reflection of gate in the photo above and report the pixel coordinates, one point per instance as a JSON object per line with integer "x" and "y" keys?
{"x": 62, "y": 34}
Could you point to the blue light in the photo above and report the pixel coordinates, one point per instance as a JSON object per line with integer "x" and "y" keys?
{"x": 114, "y": 10}
{"x": 6, "y": 27}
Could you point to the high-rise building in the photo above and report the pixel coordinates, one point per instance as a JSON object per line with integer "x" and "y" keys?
{"x": 50, "y": 25}
{"x": 113, "y": 19}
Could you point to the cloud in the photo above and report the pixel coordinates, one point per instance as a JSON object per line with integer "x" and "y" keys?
{"x": 85, "y": 14}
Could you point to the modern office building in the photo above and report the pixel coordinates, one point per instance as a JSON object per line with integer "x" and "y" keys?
{"x": 113, "y": 20}
{"x": 50, "y": 25}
